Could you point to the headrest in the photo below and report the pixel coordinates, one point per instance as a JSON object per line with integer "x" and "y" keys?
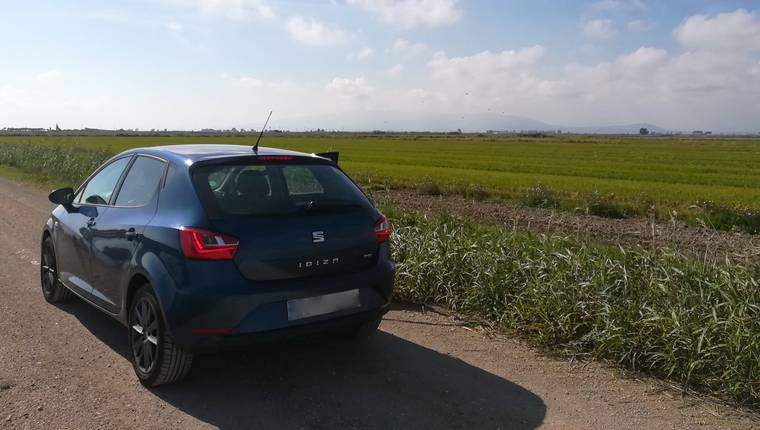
{"x": 251, "y": 183}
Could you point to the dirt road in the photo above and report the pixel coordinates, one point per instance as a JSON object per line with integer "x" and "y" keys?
{"x": 66, "y": 367}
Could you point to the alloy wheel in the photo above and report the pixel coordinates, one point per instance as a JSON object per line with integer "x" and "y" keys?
{"x": 144, "y": 335}
{"x": 48, "y": 270}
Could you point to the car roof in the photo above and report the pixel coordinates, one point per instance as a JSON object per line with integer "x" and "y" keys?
{"x": 190, "y": 154}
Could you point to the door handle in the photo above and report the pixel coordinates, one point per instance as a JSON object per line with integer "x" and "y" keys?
{"x": 131, "y": 234}
{"x": 91, "y": 222}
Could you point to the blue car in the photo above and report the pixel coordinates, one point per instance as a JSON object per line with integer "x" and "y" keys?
{"x": 197, "y": 248}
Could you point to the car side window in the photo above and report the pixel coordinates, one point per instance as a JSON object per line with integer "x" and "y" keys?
{"x": 99, "y": 189}
{"x": 141, "y": 182}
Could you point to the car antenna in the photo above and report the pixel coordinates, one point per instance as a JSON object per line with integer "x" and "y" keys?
{"x": 256, "y": 146}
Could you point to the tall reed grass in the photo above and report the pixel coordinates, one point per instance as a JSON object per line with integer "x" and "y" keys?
{"x": 692, "y": 322}
{"x": 66, "y": 164}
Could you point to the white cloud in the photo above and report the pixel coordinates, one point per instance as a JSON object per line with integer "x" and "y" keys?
{"x": 402, "y": 45}
{"x": 243, "y": 81}
{"x": 412, "y": 13}
{"x": 315, "y": 33}
{"x": 173, "y": 26}
{"x": 486, "y": 64}
{"x": 701, "y": 89}
{"x": 49, "y": 75}
{"x": 731, "y": 31}
{"x": 356, "y": 88}
{"x": 423, "y": 96}
{"x": 407, "y": 49}
{"x": 488, "y": 77}
{"x": 396, "y": 70}
{"x": 365, "y": 53}
{"x": 640, "y": 25}
{"x": 707, "y": 74}
{"x": 597, "y": 29}
{"x": 643, "y": 58}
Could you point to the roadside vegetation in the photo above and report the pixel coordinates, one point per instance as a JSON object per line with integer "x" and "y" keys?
{"x": 616, "y": 177}
{"x": 65, "y": 164}
{"x": 721, "y": 217}
{"x": 693, "y": 322}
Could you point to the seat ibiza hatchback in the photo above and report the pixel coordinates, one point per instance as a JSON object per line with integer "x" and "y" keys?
{"x": 197, "y": 248}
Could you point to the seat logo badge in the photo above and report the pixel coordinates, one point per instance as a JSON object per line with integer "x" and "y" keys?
{"x": 317, "y": 236}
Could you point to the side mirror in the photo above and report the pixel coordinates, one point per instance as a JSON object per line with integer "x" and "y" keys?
{"x": 62, "y": 196}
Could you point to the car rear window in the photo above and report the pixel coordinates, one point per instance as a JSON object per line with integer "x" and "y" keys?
{"x": 275, "y": 189}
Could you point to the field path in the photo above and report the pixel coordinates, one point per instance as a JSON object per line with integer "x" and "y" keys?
{"x": 64, "y": 367}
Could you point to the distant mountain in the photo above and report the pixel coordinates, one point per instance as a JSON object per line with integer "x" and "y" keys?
{"x": 394, "y": 121}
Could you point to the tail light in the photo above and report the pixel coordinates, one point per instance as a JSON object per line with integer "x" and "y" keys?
{"x": 382, "y": 229}
{"x": 199, "y": 244}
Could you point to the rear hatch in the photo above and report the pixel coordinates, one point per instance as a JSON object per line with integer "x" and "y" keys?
{"x": 294, "y": 216}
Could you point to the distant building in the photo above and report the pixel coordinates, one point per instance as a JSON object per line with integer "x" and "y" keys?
{"x": 25, "y": 130}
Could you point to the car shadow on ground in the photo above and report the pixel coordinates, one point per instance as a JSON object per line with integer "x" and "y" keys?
{"x": 320, "y": 382}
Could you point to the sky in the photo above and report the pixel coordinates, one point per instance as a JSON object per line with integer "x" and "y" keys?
{"x": 358, "y": 64}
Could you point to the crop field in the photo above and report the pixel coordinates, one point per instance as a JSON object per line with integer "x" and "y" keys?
{"x": 614, "y": 176}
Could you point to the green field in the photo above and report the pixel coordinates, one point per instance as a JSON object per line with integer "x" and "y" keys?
{"x": 669, "y": 173}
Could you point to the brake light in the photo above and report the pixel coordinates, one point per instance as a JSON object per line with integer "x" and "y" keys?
{"x": 199, "y": 244}
{"x": 275, "y": 158}
{"x": 382, "y": 229}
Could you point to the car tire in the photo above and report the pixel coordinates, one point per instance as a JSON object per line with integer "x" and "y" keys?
{"x": 52, "y": 288}
{"x": 156, "y": 358}
{"x": 363, "y": 331}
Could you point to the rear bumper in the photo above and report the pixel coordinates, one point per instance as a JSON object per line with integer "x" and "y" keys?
{"x": 215, "y": 343}
{"x": 254, "y": 312}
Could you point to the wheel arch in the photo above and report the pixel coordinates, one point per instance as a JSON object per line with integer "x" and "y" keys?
{"x": 137, "y": 281}
{"x": 152, "y": 272}
{"x": 47, "y": 234}
{"x": 47, "y": 230}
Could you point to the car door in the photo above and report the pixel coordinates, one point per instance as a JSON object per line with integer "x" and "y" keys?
{"x": 118, "y": 232}
{"x": 74, "y": 226}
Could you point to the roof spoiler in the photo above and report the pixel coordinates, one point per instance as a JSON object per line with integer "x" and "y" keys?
{"x": 331, "y": 155}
